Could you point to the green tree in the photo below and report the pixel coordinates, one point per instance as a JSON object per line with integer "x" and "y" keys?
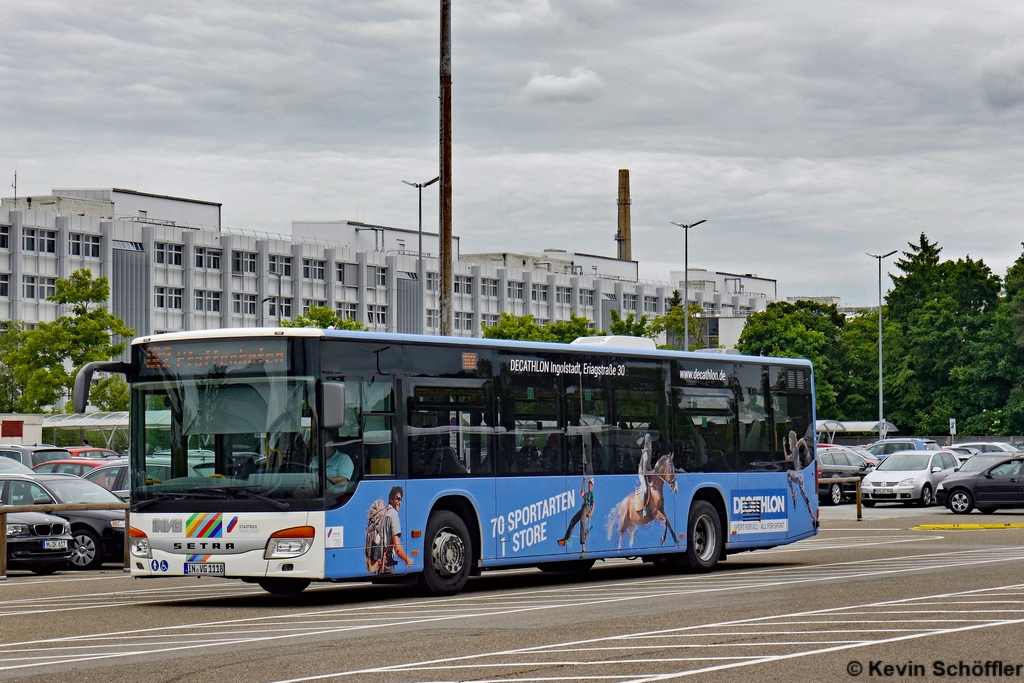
{"x": 805, "y": 329}
{"x": 674, "y": 324}
{"x": 521, "y": 327}
{"x": 324, "y": 318}
{"x": 46, "y": 362}
{"x": 631, "y": 326}
{"x": 565, "y": 331}
{"x": 11, "y": 338}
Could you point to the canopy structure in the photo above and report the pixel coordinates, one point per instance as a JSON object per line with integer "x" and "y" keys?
{"x": 107, "y": 422}
{"x": 832, "y": 427}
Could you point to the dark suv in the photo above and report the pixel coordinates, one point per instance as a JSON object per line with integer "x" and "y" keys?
{"x": 837, "y": 462}
{"x": 30, "y": 456}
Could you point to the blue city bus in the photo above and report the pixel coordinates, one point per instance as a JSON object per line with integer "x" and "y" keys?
{"x": 285, "y": 456}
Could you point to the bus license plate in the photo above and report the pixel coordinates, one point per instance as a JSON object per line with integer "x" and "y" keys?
{"x": 883, "y": 491}
{"x": 55, "y": 545}
{"x": 204, "y": 568}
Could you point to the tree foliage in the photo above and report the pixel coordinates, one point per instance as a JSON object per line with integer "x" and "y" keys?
{"x": 525, "y": 328}
{"x": 674, "y": 323}
{"x": 43, "y": 361}
{"x": 324, "y": 318}
{"x": 631, "y": 326}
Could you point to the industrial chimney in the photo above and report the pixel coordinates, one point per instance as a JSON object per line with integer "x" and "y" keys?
{"x": 623, "y": 237}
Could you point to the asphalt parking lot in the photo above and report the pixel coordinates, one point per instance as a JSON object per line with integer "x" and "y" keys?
{"x": 867, "y": 594}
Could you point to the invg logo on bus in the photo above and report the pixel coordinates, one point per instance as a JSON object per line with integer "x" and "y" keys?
{"x": 703, "y": 375}
{"x": 546, "y": 367}
{"x": 758, "y": 511}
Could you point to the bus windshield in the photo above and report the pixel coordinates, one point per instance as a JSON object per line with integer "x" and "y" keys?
{"x": 226, "y": 437}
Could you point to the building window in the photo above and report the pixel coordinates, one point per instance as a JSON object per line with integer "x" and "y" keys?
{"x": 75, "y": 244}
{"x": 563, "y": 295}
{"x": 174, "y": 296}
{"x": 280, "y": 265}
{"x": 463, "y": 321}
{"x": 243, "y": 262}
{"x": 489, "y": 319}
{"x": 28, "y": 239}
{"x": 540, "y": 293}
{"x": 208, "y": 301}
{"x": 515, "y": 290}
{"x": 5, "y": 284}
{"x": 84, "y": 245}
{"x": 313, "y": 269}
{"x": 377, "y": 314}
{"x": 346, "y": 310}
{"x": 629, "y": 302}
{"x": 168, "y": 254}
{"x": 433, "y": 319}
{"x": 586, "y": 297}
{"x": 464, "y": 284}
{"x": 207, "y": 258}
{"x": 28, "y": 286}
{"x": 5, "y": 237}
{"x": 200, "y": 259}
{"x": 282, "y": 306}
{"x": 433, "y": 282}
{"x": 244, "y": 304}
{"x": 160, "y": 297}
{"x": 309, "y": 303}
{"x": 380, "y": 276}
{"x": 47, "y": 287}
{"x": 200, "y": 300}
{"x": 489, "y": 287}
{"x": 47, "y": 242}
{"x": 650, "y": 304}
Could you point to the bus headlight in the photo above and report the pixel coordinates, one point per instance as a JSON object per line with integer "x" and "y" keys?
{"x": 139, "y": 542}
{"x": 288, "y": 543}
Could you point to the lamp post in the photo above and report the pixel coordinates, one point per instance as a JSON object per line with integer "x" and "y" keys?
{"x": 419, "y": 263}
{"x": 881, "y": 413}
{"x": 686, "y": 279}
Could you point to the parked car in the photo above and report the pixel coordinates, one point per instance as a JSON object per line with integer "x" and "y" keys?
{"x": 838, "y": 462}
{"x": 92, "y": 452}
{"x": 113, "y": 475}
{"x": 880, "y": 449}
{"x": 989, "y": 481}
{"x": 989, "y": 446}
{"x": 8, "y": 465}
{"x": 30, "y": 456}
{"x": 907, "y": 477}
{"x": 37, "y": 542}
{"x": 97, "y": 535}
{"x": 75, "y": 466}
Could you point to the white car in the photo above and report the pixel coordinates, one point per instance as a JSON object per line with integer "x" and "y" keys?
{"x": 908, "y": 477}
{"x": 989, "y": 446}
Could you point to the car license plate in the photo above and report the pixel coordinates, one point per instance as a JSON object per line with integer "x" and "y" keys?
{"x": 883, "y": 491}
{"x": 204, "y": 568}
{"x": 55, "y": 545}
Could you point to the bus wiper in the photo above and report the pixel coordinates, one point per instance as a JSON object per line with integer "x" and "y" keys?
{"x": 176, "y": 495}
{"x": 255, "y": 496}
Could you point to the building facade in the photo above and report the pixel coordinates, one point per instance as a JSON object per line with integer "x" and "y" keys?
{"x": 172, "y": 266}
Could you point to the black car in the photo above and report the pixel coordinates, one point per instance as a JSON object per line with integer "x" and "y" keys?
{"x": 837, "y": 463}
{"x": 37, "y": 542}
{"x": 98, "y": 535}
{"x": 987, "y": 481}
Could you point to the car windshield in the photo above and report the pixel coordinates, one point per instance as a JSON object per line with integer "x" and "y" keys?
{"x": 905, "y": 462}
{"x": 876, "y": 449}
{"x": 977, "y": 463}
{"x": 46, "y": 455}
{"x": 80, "y": 491}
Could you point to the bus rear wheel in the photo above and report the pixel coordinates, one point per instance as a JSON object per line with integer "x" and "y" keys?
{"x": 704, "y": 536}
{"x": 447, "y": 554}
{"x": 278, "y": 586}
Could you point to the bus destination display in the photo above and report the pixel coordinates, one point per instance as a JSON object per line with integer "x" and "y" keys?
{"x": 199, "y": 358}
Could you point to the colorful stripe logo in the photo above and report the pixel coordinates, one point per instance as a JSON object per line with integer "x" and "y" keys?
{"x": 204, "y": 525}
{"x": 231, "y": 524}
{"x": 199, "y": 558}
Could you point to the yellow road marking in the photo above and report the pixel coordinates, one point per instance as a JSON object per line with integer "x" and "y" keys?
{"x": 955, "y": 527}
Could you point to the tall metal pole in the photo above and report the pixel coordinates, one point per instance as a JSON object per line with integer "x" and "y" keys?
{"x": 445, "y": 227}
{"x": 881, "y": 412}
{"x": 686, "y": 279}
{"x": 419, "y": 263}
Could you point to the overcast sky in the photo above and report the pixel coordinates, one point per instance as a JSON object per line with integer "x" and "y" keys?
{"x": 806, "y": 133}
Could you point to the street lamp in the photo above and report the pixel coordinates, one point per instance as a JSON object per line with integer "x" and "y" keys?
{"x": 419, "y": 263}
{"x": 686, "y": 279}
{"x": 881, "y": 415}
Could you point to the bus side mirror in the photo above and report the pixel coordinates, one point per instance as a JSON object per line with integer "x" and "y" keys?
{"x": 83, "y": 380}
{"x": 334, "y": 405}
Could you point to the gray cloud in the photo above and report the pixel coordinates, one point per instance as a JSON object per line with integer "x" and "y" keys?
{"x": 805, "y": 134}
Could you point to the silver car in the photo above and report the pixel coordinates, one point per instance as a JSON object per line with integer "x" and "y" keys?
{"x": 908, "y": 477}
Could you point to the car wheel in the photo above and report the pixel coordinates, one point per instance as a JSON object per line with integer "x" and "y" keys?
{"x": 835, "y": 494}
{"x": 926, "y": 496}
{"x": 47, "y": 569}
{"x": 285, "y": 587}
{"x": 986, "y": 511}
{"x": 703, "y": 536}
{"x": 868, "y": 503}
{"x": 960, "y": 502}
{"x": 86, "y": 552}
{"x": 447, "y": 548}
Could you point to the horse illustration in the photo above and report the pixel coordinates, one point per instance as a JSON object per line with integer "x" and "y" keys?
{"x": 625, "y": 516}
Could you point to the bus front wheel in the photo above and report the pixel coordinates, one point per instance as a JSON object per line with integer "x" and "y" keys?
{"x": 277, "y": 586}
{"x": 704, "y": 536}
{"x": 447, "y": 554}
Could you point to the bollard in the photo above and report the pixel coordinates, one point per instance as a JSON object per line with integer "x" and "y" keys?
{"x": 128, "y": 538}
{"x": 3, "y": 546}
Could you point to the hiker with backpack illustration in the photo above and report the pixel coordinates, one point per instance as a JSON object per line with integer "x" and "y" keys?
{"x": 383, "y": 535}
